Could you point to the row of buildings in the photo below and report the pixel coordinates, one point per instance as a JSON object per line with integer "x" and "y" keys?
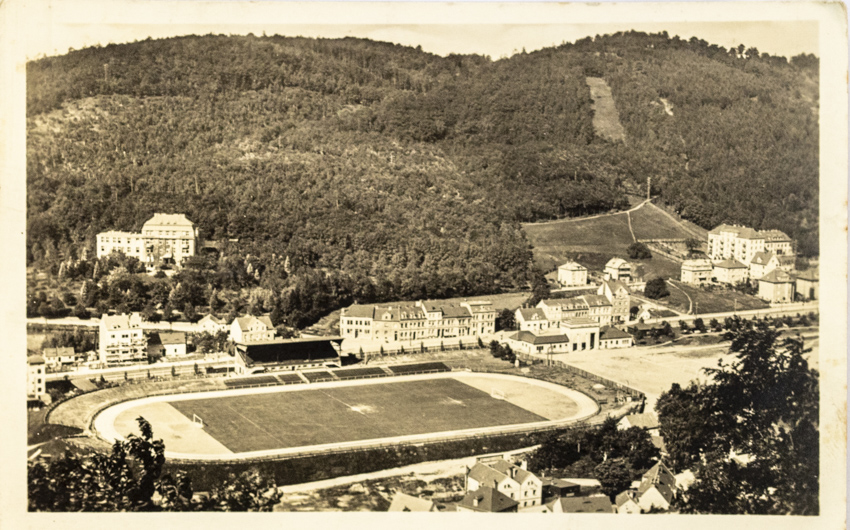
{"x": 496, "y": 485}
{"x": 417, "y": 321}
{"x": 581, "y": 322}
{"x": 572, "y": 274}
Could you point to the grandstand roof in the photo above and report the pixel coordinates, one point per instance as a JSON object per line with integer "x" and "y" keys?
{"x": 289, "y": 351}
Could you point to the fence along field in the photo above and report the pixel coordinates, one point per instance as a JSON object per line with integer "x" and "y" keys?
{"x": 402, "y": 410}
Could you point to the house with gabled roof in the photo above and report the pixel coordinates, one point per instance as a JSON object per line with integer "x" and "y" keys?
{"x": 56, "y": 358}
{"x": 514, "y": 481}
{"x": 730, "y": 271}
{"x": 540, "y": 344}
{"x": 776, "y": 286}
{"x": 618, "y": 269}
{"x": 627, "y": 502}
{"x": 591, "y": 504}
{"x": 647, "y": 421}
{"x": 251, "y": 329}
{"x": 618, "y": 294}
{"x": 487, "y": 499}
{"x": 572, "y": 274}
{"x": 696, "y": 271}
{"x": 611, "y": 337}
{"x": 212, "y": 324}
{"x": 657, "y": 488}
{"x": 807, "y": 284}
{"x": 408, "y": 503}
{"x": 532, "y": 319}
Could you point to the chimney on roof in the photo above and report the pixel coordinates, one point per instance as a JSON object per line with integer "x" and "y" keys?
{"x": 524, "y": 465}
{"x": 475, "y": 501}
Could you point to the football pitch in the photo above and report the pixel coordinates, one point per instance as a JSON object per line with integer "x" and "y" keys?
{"x": 307, "y": 417}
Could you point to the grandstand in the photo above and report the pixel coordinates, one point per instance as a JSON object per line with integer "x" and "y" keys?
{"x": 357, "y": 373}
{"x": 418, "y": 368}
{"x": 318, "y": 376}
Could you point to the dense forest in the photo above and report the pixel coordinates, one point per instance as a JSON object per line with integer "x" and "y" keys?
{"x": 374, "y": 171}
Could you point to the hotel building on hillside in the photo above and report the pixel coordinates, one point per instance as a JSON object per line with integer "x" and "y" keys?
{"x": 165, "y": 238}
{"x": 408, "y": 321}
{"x": 121, "y": 339}
{"x": 742, "y": 243}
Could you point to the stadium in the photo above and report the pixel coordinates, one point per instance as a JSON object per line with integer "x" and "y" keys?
{"x": 348, "y": 411}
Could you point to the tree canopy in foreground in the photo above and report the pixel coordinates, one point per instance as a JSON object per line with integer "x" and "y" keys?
{"x": 763, "y": 409}
{"x": 131, "y": 478}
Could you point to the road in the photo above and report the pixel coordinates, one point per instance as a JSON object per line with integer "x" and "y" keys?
{"x": 577, "y": 219}
{"x": 93, "y": 323}
{"x": 140, "y": 371}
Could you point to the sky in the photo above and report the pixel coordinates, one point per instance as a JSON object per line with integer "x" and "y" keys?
{"x": 494, "y": 30}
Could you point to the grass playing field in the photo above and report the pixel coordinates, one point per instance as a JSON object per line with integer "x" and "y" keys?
{"x": 348, "y": 413}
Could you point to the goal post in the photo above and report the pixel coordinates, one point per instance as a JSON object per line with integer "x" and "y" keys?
{"x": 497, "y": 393}
{"x": 197, "y": 421}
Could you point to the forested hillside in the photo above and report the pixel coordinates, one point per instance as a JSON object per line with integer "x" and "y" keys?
{"x": 378, "y": 171}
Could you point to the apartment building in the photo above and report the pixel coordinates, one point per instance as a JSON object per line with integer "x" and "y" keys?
{"x": 121, "y": 339}
{"x": 742, "y": 243}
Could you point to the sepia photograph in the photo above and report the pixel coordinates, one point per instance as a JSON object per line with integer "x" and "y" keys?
{"x": 561, "y": 260}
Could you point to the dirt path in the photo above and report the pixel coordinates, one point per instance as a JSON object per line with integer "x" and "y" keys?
{"x": 579, "y": 219}
{"x": 629, "y": 218}
{"x": 690, "y": 301}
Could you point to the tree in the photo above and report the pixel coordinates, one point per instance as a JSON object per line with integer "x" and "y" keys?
{"x": 693, "y": 245}
{"x": 81, "y": 312}
{"x": 506, "y": 320}
{"x": 715, "y": 325}
{"x": 656, "y": 288}
{"x": 699, "y": 325}
{"x": 127, "y": 478}
{"x": 638, "y": 250}
{"x": 615, "y": 476}
{"x": 148, "y": 312}
{"x": 683, "y": 327}
{"x": 763, "y": 404}
{"x": 189, "y": 312}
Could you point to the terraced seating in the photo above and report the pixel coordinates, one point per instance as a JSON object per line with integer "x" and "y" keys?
{"x": 317, "y": 377}
{"x": 355, "y": 373}
{"x": 418, "y": 368}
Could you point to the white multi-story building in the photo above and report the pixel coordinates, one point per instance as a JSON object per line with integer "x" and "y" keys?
{"x": 121, "y": 339}
{"x": 417, "y": 321}
{"x": 696, "y": 271}
{"x": 35, "y": 377}
{"x": 594, "y": 306}
{"x": 572, "y": 274}
{"x": 247, "y": 329}
{"x": 742, "y": 243}
{"x": 618, "y": 269}
{"x": 165, "y": 238}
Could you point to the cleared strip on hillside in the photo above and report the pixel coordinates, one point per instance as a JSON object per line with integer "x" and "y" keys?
{"x": 606, "y": 119}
